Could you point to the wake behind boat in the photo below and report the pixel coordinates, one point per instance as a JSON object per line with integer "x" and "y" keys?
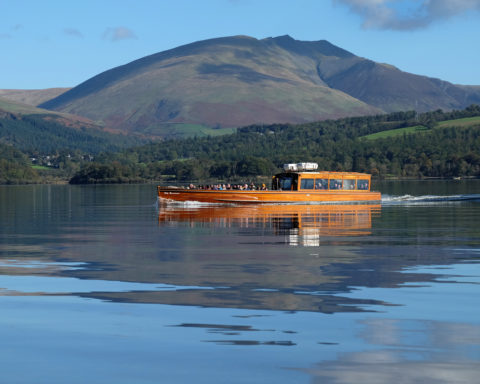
{"x": 299, "y": 183}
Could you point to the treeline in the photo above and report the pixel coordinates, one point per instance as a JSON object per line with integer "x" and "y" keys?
{"x": 15, "y": 166}
{"x": 260, "y": 150}
{"x": 43, "y": 134}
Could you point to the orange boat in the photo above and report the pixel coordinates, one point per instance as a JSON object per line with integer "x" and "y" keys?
{"x": 299, "y": 183}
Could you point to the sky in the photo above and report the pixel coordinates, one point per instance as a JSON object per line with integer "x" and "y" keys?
{"x": 61, "y": 43}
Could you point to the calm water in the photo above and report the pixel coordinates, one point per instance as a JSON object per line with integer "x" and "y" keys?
{"x": 100, "y": 284}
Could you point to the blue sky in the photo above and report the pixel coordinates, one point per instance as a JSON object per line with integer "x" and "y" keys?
{"x": 61, "y": 43}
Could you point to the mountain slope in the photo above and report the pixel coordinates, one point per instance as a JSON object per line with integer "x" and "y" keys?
{"x": 31, "y": 96}
{"x": 237, "y": 81}
{"x": 392, "y": 90}
{"x": 226, "y": 82}
{"x": 11, "y": 107}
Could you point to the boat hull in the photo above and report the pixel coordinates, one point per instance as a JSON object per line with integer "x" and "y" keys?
{"x": 262, "y": 197}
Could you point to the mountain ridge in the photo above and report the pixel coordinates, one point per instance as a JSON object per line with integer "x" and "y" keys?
{"x": 235, "y": 81}
{"x": 32, "y": 96}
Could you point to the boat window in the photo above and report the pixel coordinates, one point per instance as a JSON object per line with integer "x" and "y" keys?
{"x": 286, "y": 183}
{"x": 335, "y": 184}
{"x": 306, "y": 184}
{"x": 321, "y": 183}
{"x": 348, "y": 184}
{"x": 362, "y": 184}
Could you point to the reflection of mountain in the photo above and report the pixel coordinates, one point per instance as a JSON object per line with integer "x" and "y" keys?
{"x": 109, "y": 244}
{"x": 302, "y": 224}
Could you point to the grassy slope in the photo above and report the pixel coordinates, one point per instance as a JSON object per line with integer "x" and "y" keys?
{"x": 14, "y": 107}
{"x": 11, "y": 106}
{"x": 31, "y": 96}
{"x": 465, "y": 122}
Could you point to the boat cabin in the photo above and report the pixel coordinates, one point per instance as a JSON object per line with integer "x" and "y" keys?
{"x": 305, "y": 177}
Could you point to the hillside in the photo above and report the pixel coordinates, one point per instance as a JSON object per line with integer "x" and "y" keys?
{"x": 236, "y": 81}
{"x": 31, "y": 96}
{"x": 34, "y": 129}
{"x": 219, "y": 83}
{"x": 9, "y": 107}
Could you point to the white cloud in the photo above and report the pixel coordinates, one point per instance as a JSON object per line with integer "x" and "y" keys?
{"x": 407, "y": 14}
{"x": 73, "y": 32}
{"x": 118, "y": 33}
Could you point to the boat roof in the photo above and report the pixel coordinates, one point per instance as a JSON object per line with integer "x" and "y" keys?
{"x": 330, "y": 173}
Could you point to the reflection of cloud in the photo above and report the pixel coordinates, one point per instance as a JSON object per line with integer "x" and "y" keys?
{"x": 119, "y": 33}
{"x": 407, "y": 15}
{"x": 73, "y": 32}
{"x": 382, "y": 332}
{"x": 371, "y": 370}
{"x": 395, "y": 333}
{"x": 455, "y": 334}
{"x": 410, "y": 352}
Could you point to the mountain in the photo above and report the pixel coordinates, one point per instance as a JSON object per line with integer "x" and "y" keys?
{"x": 31, "y": 96}
{"x": 219, "y": 83}
{"x": 236, "y": 81}
{"x": 392, "y": 90}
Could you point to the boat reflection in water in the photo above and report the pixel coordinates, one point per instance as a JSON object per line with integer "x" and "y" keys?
{"x": 302, "y": 225}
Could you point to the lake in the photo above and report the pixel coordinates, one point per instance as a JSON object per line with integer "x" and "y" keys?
{"x": 101, "y": 284}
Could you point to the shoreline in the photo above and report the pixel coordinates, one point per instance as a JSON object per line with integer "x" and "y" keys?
{"x": 158, "y": 182}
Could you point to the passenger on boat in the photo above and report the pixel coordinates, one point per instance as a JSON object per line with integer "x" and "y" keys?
{"x": 321, "y": 183}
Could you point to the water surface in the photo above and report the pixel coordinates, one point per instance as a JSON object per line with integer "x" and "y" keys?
{"x": 101, "y": 284}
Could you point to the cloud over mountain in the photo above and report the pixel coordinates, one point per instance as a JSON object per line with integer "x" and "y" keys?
{"x": 119, "y": 33}
{"x": 407, "y": 14}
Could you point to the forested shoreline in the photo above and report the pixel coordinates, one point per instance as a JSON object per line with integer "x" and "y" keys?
{"x": 444, "y": 146}
{"x": 339, "y": 145}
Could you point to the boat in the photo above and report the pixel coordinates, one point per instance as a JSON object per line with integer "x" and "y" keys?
{"x": 299, "y": 183}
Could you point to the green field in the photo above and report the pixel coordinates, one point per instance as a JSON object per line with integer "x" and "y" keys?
{"x": 184, "y": 130}
{"x": 396, "y": 132}
{"x": 465, "y": 122}
{"x": 40, "y": 167}
{"x": 461, "y": 123}
{"x": 189, "y": 130}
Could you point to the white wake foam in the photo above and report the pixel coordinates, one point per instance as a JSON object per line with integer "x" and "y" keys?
{"x": 427, "y": 199}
